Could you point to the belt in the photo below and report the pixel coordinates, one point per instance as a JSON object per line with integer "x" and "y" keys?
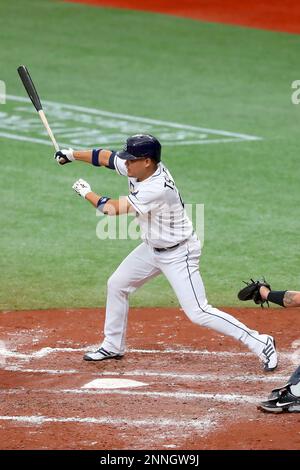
{"x": 168, "y": 248}
{"x": 159, "y": 250}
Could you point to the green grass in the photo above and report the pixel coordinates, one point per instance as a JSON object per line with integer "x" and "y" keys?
{"x": 161, "y": 67}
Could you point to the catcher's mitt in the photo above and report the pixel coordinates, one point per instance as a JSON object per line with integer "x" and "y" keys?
{"x": 251, "y": 292}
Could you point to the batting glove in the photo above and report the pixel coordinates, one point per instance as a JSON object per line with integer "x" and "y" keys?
{"x": 81, "y": 187}
{"x": 64, "y": 156}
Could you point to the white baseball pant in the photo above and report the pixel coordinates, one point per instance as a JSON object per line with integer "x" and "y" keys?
{"x": 181, "y": 267}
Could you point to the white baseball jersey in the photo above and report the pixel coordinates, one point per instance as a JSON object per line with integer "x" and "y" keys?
{"x": 160, "y": 210}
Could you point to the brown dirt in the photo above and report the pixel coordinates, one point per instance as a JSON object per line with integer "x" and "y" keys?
{"x": 274, "y": 15}
{"x": 201, "y": 388}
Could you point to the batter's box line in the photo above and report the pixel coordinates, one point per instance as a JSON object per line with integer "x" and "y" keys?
{"x": 293, "y": 356}
{"x": 43, "y": 352}
{"x": 197, "y": 424}
{"x": 205, "y": 377}
{"x": 231, "y": 398}
{"x": 5, "y": 353}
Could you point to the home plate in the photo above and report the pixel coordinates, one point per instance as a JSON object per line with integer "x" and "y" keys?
{"x": 113, "y": 383}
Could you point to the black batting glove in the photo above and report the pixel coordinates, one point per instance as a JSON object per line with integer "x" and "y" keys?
{"x": 64, "y": 156}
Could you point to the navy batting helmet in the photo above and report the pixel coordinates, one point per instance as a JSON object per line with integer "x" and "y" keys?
{"x": 141, "y": 146}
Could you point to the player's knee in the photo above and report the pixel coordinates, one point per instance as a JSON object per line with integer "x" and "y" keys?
{"x": 114, "y": 283}
{"x": 117, "y": 283}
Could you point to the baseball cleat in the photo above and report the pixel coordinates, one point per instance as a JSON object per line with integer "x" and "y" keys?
{"x": 101, "y": 354}
{"x": 276, "y": 392}
{"x": 287, "y": 402}
{"x": 269, "y": 355}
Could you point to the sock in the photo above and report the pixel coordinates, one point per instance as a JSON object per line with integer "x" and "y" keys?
{"x": 295, "y": 389}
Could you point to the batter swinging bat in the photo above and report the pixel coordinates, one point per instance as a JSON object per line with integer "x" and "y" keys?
{"x": 33, "y": 95}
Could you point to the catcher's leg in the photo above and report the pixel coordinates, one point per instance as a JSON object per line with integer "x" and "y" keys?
{"x": 293, "y": 382}
{"x": 132, "y": 273}
{"x": 285, "y": 398}
{"x": 295, "y": 378}
{"x": 181, "y": 267}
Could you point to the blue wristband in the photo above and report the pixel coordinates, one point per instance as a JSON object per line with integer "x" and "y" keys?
{"x": 95, "y": 157}
{"x": 111, "y": 161}
{"x": 101, "y": 203}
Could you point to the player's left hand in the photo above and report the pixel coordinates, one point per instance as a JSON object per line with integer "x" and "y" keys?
{"x": 81, "y": 187}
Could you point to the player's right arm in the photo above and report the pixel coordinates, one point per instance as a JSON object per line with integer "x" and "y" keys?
{"x": 96, "y": 157}
{"x": 102, "y": 158}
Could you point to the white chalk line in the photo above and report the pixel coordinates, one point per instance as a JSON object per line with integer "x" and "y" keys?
{"x": 227, "y": 398}
{"x": 173, "y": 125}
{"x": 198, "y": 424}
{"x": 24, "y": 138}
{"x": 180, "y": 395}
{"x": 15, "y": 368}
{"x": 34, "y": 140}
{"x": 4, "y": 352}
{"x": 203, "y": 352}
{"x": 37, "y": 354}
{"x": 80, "y": 147}
{"x": 208, "y": 377}
{"x": 47, "y": 351}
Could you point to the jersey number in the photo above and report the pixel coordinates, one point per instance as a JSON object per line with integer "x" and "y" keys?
{"x": 170, "y": 184}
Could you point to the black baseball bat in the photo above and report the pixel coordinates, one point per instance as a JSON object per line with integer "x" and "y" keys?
{"x": 33, "y": 95}
{"x": 29, "y": 87}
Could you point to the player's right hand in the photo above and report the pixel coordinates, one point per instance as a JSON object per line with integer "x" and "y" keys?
{"x": 64, "y": 156}
{"x": 82, "y": 187}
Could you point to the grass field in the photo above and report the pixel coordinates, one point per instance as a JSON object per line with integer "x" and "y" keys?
{"x": 164, "y": 68}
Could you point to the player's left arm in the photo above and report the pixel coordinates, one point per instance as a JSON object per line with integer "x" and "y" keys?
{"x": 109, "y": 206}
{"x": 104, "y": 203}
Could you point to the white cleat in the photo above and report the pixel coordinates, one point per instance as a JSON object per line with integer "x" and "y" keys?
{"x": 269, "y": 355}
{"x": 101, "y": 354}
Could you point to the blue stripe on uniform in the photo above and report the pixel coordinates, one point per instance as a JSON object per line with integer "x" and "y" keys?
{"x": 209, "y": 313}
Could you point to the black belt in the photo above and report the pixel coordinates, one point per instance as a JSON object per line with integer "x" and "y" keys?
{"x": 167, "y": 249}
{"x": 174, "y": 246}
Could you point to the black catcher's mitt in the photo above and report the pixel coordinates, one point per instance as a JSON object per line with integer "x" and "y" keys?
{"x": 251, "y": 291}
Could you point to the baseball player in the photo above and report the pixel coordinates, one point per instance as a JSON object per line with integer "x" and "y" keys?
{"x": 287, "y": 397}
{"x": 169, "y": 246}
